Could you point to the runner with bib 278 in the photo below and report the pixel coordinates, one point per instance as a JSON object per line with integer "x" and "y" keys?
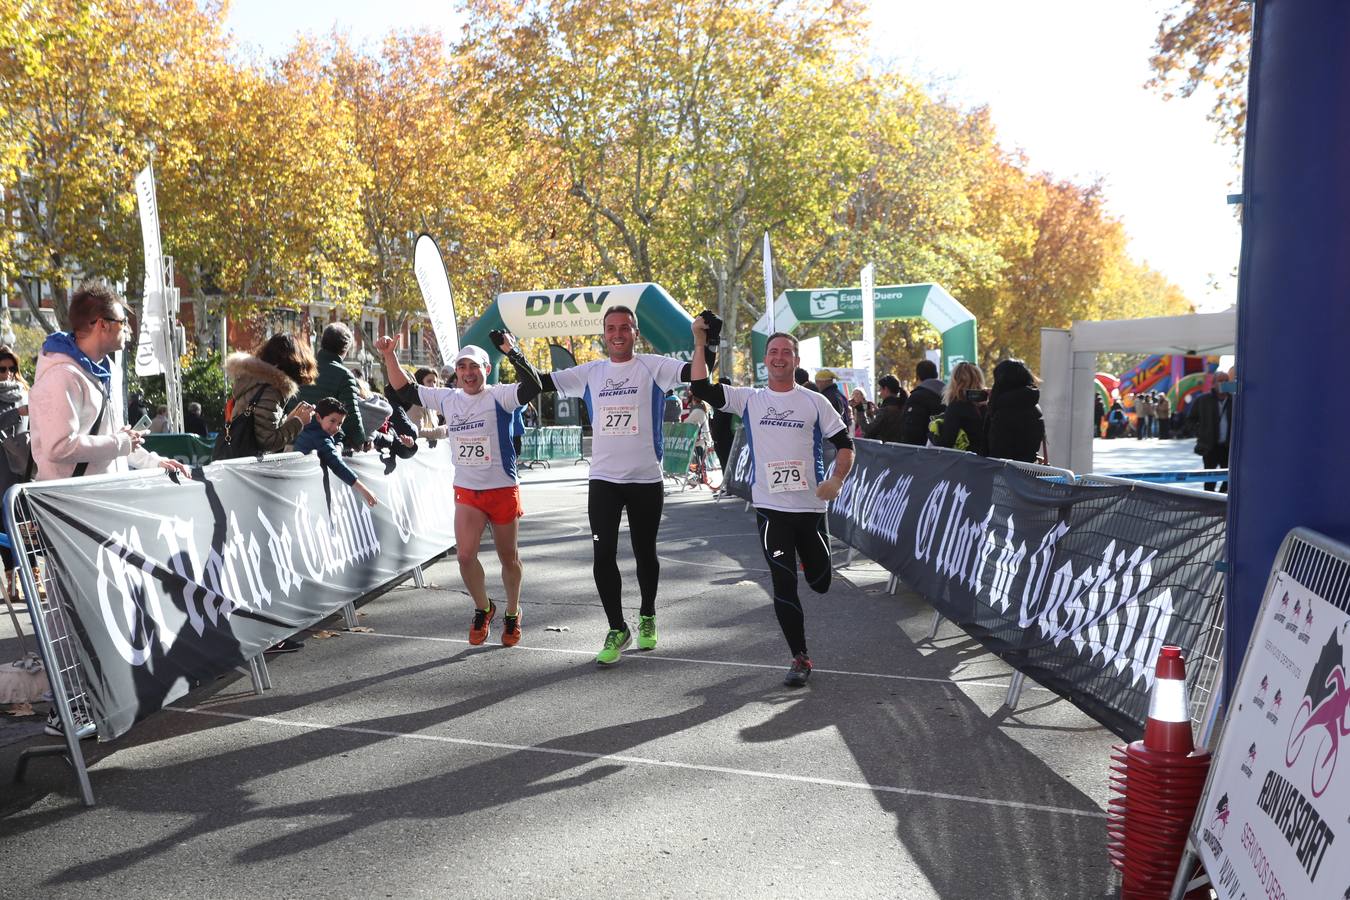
{"x": 785, "y": 426}
{"x": 487, "y": 489}
{"x": 624, "y": 395}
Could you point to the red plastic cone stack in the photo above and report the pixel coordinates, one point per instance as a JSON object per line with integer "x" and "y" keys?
{"x": 1157, "y": 784}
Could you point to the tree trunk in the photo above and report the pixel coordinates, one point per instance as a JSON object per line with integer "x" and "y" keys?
{"x": 32, "y": 298}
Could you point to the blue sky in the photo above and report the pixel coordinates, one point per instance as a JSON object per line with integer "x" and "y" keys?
{"x": 1063, "y": 80}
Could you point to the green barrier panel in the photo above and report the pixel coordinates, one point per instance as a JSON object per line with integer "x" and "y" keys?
{"x": 555, "y": 442}
{"x": 677, "y": 441}
{"x": 529, "y": 445}
{"x": 186, "y": 448}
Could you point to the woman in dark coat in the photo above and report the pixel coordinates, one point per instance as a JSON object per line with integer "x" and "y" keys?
{"x": 1016, "y": 427}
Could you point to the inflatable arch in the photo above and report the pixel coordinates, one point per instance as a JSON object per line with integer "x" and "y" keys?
{"x": 906, "y": 301}
{"x": 571, "y": 312}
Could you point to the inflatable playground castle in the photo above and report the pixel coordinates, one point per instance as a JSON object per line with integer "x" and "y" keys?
{"x": 1181, "y": 378}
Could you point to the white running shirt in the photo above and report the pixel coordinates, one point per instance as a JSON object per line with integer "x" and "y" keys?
{"x": 625, "y": 401}
{"x": 478, "y": 430}
{"x": 784, "y": 431}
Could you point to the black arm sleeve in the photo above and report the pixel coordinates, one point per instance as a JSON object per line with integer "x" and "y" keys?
{"x": 407, "y": 395}
{"x": 708, "y": 392}
{"x": 546, "y": 385}
{"x": 841, "y": 440}
{"x": 530, "y": 384}
{"x": 709, "y": 354}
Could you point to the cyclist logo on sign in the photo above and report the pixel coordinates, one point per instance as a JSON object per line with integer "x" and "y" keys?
{"x": 1321, "y": 717}
{"x": 1219, "y": 823}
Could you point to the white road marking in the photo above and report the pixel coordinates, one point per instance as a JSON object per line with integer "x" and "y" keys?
{"x": 715, "y": 662}
{"x": 649, "y": 761}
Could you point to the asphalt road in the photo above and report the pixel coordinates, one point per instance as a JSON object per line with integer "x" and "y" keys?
{"x": 405, "y": 763}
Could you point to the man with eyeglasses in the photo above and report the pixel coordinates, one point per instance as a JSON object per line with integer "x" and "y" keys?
{"x": 72, "y": 420}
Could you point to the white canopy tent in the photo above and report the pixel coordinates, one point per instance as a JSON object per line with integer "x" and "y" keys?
{"x": 1069, "y": 362}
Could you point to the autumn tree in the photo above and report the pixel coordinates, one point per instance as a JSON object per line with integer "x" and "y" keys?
{"x": 266, "y": 209}
{"x": 1207, "y": 43}
{"x": 775, "y": 145}
{"x": 81, "y": 87}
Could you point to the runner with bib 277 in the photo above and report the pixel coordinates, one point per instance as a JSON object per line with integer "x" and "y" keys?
{"x": 487, "y": 488}
{"x": 785, "y": 426}
{"x": 624, "y": 395}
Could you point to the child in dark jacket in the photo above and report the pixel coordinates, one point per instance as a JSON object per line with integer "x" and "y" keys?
{"x": 319, "y": 437}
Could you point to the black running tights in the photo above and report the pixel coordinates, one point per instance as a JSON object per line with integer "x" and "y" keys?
{"x": 785, "y": 536}
{"x": 605, "y": 506}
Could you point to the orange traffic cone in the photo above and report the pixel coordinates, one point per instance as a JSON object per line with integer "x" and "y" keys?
{"x": 1168, "y": 726}
{"x": 1157, "y": 784}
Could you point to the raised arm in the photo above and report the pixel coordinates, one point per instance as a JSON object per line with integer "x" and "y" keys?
{"x": 531, "y": 383}
{"x": 699, "y": 383}
{"x": 387, "y": 347}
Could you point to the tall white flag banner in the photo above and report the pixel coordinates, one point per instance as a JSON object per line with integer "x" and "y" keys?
{"x": 768, "y": 284}
{"x": 435, "y": 286}
{"x": 150, "y": 346}
{"x": 869, "y": 311}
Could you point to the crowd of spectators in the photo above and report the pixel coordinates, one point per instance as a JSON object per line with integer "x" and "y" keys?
{"x": 1001, "y": 420}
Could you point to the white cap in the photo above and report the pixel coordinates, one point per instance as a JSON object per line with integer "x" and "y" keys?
{"x": 469, "y": 351}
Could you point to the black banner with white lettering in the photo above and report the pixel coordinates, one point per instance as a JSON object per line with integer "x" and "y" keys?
{"x": 168, "y": 585}
{"x": 1078, "y": 586}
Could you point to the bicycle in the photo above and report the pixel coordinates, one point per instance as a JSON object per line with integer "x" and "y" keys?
{"x": 698, "y": 473}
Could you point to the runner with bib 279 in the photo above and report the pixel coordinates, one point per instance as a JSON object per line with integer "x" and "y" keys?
{"x": 624, "y": 395}
{"x": 487, "y": 489}
{"x": 785, "y": 426}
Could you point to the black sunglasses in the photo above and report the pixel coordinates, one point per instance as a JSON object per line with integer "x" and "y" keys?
{"x": 121, "y": 321}
{"x": 8, "y": 369}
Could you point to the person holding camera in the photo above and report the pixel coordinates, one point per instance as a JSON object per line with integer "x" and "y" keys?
{"x": 864, "y": 411}
{"x": 487, "y": 487}
{"x": 961, "y": 426}
{"x": 788, "y": 487}
{"x": 624, "y": 394}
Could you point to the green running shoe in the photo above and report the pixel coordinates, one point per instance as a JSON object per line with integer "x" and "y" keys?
{"x": 646, "y": 632}
{"x": 615, "y": 643}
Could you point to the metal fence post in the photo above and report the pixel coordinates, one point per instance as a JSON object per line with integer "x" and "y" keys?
{"x": 1014, "y": 690}
{"x": 53, "y": 635}
{"x": 937, "y": 621}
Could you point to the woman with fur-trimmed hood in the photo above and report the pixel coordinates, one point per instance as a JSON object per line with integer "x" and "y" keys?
{"x": 278, "y": 367}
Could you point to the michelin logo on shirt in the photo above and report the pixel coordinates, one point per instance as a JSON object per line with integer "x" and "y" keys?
{"x": 774, "y": 418}
{"x": 614, "y": 388}
{"x": 463, "y": 423}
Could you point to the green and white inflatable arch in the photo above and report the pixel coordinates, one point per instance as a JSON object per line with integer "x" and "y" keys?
{"x": 663, "y": 323}
{"x": 904, "y": 301}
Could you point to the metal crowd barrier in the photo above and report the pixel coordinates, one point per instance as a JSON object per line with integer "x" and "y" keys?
{"x": 1205, "y": 673}
{"x": 1190, "y": 477}
{"x": 53, "y": 634}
